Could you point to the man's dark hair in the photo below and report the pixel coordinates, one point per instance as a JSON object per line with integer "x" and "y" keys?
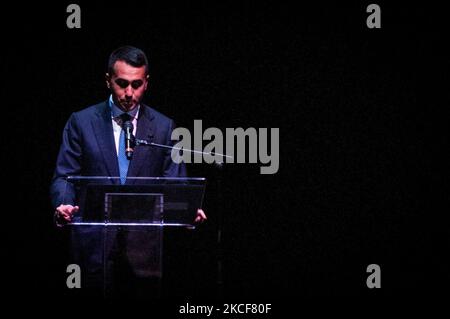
{"x": 130, "y": 55}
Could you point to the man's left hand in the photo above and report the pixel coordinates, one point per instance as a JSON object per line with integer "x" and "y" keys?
{"x": 201, "y": 216}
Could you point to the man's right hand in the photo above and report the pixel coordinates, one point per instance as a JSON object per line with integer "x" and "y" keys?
{"x": 64, "y": 213}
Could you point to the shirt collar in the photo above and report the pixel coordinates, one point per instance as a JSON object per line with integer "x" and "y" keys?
{"x": 117, "y": 111}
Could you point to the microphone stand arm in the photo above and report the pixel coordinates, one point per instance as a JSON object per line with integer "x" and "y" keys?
{"x": 138, "y": 142}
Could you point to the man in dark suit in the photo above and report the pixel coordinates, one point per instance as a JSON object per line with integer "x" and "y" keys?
{"x": 93, "y": 145}
{"x": 92, "y": 137}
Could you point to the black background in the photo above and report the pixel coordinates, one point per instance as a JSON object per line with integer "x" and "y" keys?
{"x": 362, "y": 117}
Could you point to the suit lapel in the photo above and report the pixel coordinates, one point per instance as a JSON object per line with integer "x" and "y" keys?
{"x": 102, "y": 127}
{"x": 141, "y": 154}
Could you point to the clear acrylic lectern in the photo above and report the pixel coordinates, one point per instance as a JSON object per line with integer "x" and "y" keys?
{"x": 117, "y": 234}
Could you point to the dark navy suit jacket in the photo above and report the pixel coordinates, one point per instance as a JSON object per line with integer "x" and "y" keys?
{"x": 88, "y": 149}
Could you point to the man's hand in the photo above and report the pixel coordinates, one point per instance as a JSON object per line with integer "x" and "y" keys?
{"x": 201, "y": 216}
{"x": 64, "y": 213}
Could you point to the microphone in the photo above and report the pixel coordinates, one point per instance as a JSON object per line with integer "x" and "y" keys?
{"x": 127, "y": 126}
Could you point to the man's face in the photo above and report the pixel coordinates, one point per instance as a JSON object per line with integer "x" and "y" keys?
{"x": 127, "y": 84}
